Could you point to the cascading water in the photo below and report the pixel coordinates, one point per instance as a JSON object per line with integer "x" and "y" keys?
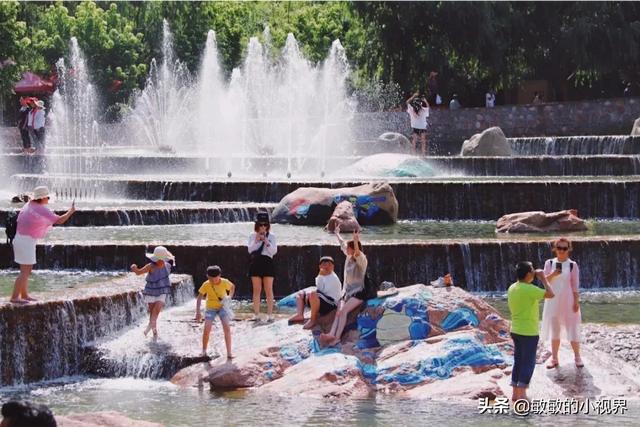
{"x": 74, "y": 128}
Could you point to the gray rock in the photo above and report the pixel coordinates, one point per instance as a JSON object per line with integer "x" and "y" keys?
{"x": 490, "y": 142}
{"x": 392, "y": 142}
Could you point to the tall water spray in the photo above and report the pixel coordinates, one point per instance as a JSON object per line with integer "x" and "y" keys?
{"x": 74, "y": 106}
{"x": 282, "y": 116}
{"x": 74, "y": 134}
{"x": 163, "y": 112}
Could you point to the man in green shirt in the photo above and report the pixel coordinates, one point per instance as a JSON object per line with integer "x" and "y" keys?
{"x": 524, "y": 298}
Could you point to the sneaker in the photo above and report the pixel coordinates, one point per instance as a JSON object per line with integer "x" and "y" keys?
{"x": 270, "y": 318}
{"x": 254, "y": 318}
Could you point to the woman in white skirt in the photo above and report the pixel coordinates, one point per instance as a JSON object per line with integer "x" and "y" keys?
{"x": 34, "y": 221}
{"x": 561, "y": 317}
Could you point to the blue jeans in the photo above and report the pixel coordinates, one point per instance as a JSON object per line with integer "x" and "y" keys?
{"x": 524, "y": 359}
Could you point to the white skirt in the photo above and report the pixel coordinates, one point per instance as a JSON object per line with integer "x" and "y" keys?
{"x": 24, "y": 249}
{"x": 149, "y": 299}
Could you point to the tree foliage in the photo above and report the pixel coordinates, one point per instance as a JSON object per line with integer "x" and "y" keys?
{"x": 473, "y": 45}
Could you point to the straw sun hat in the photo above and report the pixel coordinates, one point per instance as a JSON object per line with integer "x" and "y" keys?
{"x": 40, "y": 192}
{"x": 160, "y": 253}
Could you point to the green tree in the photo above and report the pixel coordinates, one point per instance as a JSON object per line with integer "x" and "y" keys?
{"x": 13, "y": 42}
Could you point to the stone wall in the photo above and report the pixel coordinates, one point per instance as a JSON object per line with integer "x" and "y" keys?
{"x": 451, "y": 128}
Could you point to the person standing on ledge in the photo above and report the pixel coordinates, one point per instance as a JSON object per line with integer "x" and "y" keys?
{"x": 418, "y": 110}
{"x": 523, "y": 299}
{"x": 33, "y": 223}
{"x": 23, "y": 118}
{"x": 561, "y": 315}
{"x": 262, "y": 247}
{"x": 454, "y": 104}
{"x": 36, "y": 124}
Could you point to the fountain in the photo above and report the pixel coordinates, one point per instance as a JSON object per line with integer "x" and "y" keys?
{"x": 272, "y": 117}
{"x": 74, "y": 136}
{"x": 162, "y": 111}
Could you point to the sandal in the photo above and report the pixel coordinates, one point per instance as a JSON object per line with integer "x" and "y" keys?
{"x": 552, "y": 364}
{"x": 579, "y": 363}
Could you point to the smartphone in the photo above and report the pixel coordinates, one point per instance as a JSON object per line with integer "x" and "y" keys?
{"x": 559, "y": 267}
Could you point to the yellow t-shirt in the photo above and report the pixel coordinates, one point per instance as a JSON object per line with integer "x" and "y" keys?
{"x": 215, "y": 293}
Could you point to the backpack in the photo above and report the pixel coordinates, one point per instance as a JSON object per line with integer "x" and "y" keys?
{"x": 370, "y": 288}
{"x": 570, "y": 264}
{"x": 11, "y": 226}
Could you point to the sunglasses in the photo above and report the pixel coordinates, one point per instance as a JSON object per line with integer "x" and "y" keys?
{"x": 562, "y": 248}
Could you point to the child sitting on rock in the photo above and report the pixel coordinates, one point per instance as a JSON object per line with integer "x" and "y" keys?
{"x": 218, "y": 291}
{"x": 158, "y": 284}
{"x": 324, "y": 299}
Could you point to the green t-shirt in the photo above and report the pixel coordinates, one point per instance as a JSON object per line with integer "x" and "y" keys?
{"x": 523, "y": 299}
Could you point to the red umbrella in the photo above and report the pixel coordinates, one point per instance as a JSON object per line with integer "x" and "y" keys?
{"x": 33, "y": 83}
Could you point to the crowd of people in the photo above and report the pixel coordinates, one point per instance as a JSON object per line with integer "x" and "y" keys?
{"x": 31, "y": 124}
{"x": 560, "y": 278}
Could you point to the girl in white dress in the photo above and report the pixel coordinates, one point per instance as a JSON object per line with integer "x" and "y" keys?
{"x": 561, "y": 317}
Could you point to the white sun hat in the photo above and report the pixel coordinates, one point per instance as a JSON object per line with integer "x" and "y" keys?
{"x": 40, "y": 192}
{"x": 160, "y": 253}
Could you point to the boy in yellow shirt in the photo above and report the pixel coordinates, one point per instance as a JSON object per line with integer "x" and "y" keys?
{"x": 218, "y": 292}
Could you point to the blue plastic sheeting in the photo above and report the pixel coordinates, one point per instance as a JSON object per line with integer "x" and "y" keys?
{"x": 460, "y": 352}
{"x": 458, "y": 318}
{"x": 290, "y": 300}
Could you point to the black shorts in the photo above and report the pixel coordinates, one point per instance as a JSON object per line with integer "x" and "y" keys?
{"x": 262, "y": 266}
{"x": 325, "y": 307}
{"x": 362, "y": 295}
{"x": 415, "y": 131}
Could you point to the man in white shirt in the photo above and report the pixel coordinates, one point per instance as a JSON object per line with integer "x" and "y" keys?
{"x": 324, "y": 299}
{"x": 35, "y": 123}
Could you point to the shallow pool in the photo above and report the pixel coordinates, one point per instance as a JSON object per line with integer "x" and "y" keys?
{"x": 237, "y": 233}
{"x": 160, "y": 401}
{"x": 50, "y": 280}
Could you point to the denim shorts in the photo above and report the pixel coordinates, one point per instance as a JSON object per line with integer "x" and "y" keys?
{"x": 212, "y": 314}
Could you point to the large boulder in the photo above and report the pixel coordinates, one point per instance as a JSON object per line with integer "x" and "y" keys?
{"x": 343, "y": 217}
{"x": 490, "y": 142}
{"x": 392, "y": 142}
{"x": 419, "y": 336}
{"x": 538, "y": 222}
{"x": 635, "y": 131}
{"x": 375, "y": 203}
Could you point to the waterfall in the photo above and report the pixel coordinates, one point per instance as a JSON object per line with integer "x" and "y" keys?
{"x": 575, "y": 145}
{"x": 46, "y": 340}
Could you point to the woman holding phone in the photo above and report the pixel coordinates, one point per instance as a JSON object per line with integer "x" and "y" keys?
{"x": 34, "y": 221}
{"x": 262, "y": 248}
{"x": 561, "y": 317}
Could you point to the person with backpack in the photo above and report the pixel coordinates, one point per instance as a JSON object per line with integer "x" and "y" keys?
{"x": 354, "y": 290}
{"x": 33, "y": 223}
{"x": 561, "y": 316}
